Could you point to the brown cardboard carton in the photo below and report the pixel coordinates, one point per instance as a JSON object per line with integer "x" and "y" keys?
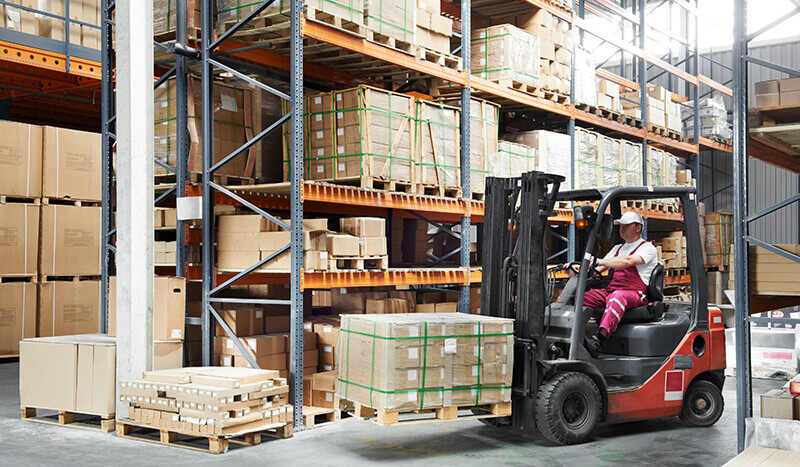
{"x": 167, "y": 355}
{"x": 277, "y": 323}
{"x": 17, "y": 315}
{"x": 69, "y": 307}
{"x": 777, "y": 403}
{"x": 269, "y": 362}
{"x": 169, "y": 308}
{"x": 72, "y": 373}
{"x": 71, "y": 164}
{"x": 447, "y": 307}
{"x": 768, "y": 87}
{"x": 363, "y": 226}
{"x": 19, "y": 238}
{"x": 20, "y": 159}
{"x": 70, "y": 240}
{"x": 768, "y": 100}
{"x": 373, "y": 246}
{"x": 240, "y": 321}
{"x": 342, "y": 244}
{"x": 327, "y": 334}
{"x": 268, "y": 344}
{"x": 790, "y": 98}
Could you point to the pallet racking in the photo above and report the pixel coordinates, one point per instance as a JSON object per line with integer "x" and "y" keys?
{"x": 744, "y": 148}
{"x": 68, "y": 65}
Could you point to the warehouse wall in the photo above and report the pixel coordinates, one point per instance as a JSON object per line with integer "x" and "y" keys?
{"x": 767, "y": 184}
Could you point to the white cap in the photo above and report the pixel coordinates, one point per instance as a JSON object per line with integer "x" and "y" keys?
{"x": 629, "y": 217}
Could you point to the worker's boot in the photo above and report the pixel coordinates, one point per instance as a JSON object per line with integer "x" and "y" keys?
{"x": 593, "y": 344}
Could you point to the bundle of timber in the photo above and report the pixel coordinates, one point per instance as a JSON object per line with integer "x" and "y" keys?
{"x": 208, "y": 400}
{"x": 438, "y": 159}
{"x": 235, "y": 113}
{"x": 425, "y": 360}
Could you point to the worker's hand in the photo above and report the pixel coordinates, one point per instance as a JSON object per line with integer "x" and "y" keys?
{"x": 601, "y": 262}
{"x": 570, "y": 272}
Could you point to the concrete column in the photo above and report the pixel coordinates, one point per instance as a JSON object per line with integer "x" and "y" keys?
{"x": 134, "y": 170}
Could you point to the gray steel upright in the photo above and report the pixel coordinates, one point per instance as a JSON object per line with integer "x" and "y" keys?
{"x": 642, "y": 75}
{"x": 108, "y": 130}
{"x": 744, "y": 403}
{"x": 181, "y": 130}
{"x": 466, "y": 30}
{"x": 208, "y": 259}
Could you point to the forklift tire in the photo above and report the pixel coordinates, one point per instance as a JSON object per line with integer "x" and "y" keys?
{"x": 568, "y": 408}
{"x": 702, "y": 404}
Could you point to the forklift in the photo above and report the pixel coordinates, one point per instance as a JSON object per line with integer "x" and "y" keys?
{"x": 665, "y": 359}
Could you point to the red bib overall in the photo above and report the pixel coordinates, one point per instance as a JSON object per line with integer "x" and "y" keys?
{"x": 625, "y": 291}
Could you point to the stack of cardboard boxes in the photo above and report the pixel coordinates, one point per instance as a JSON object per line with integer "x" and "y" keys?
{"x": 236, "y": 111}
{"x": 438, "y": 136}
{"x": 246, "y": 239}
{"x": 231, "y": 11}
{"x": 661, "y": 112}
{"x": 369, "y": 234}
{"x": 165, "y": 13}
{"x": 608, "y": 95}
{"x": 774, "y": 93}
{"x": 514, "y": 159}
{"x": 555, "y": 54}
{"x": 672, "y": 250}
{"x": 87, "y": 11}
{"x": 433, "y": 30}
{"x": 484, "y": 120}
{"x": 505, "y": 54}
{"x": 210, "y": 400}
{"x": 423, "y": 360}
{"x": 552, "y": 150}
{"x": 390, "y": 21}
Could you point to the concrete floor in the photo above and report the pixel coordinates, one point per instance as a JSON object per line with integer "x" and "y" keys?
{"x": 356, "y": 442}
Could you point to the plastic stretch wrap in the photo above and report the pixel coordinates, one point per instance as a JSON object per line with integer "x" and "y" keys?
{"x": 424, "y": 360}
{"x": 586, "y": 158}
{"x": 611, "y": 163}
{"x": 505, "y": 52}
{"x": 670, "y": 169}
{"x": 655, "y": 166}
{"x": 552, "y": 151}
{"x": 585, "y": 79}
{"x": 514, "y": 159}
{"x": 633, "y": 163}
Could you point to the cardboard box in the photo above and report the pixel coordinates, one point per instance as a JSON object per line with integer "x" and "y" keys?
{"x": 167, "y": 355}
{"x": 169, "y": 308}
{"x": 373, "y": 246}
{"x": 17, "y": 315}
{"x": 71, "y": 164}
{"x": 363, "y": 226}
{"x": 768, "y": 87}
{"x": 72, "y": 373}
{"x": 19, "y": 238}
{"x": 243, "y": 322}
{"x": 768, "y": 100}
{"x": 70, "y": 240}
{"x": 777, "y": 403}
{"x": 267, "y": 344}
{"x": 20, "y": 160}
{"x": 69, "y": 307}
{"x": 327, "y": 334}
{"x": 277, "y": 322}
{"x": 270, "y": 362}
{"x": 342, "y": 244}
{"x": 790, "y": 98}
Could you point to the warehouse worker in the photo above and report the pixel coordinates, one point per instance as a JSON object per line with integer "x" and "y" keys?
{"x": 633, "y": 264}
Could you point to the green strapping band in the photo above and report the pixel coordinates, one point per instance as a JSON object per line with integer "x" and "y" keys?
{"x": 372, "y": 365}
{"x": 424, "y": 365}
{"x": 478, "y": 392}
{"x": 399, "y": 338}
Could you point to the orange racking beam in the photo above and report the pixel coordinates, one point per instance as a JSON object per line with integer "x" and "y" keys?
{"x": 43, "y": 59}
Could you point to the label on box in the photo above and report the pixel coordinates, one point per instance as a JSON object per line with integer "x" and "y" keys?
{"x": 475, "y": 351}
{"x": 413, "y": 353}
{"x": 318, "y": 100}
{"x": 340, "y": 131}
{"x": 474, "y": 370}
{"x": 341, "y": 167}
{"x": 327, "y": 348}
{"x": 340, "y": 150}
{"x": 176, "y": 334}
{"x": 319, "y": 134}
{"x": 13, "y": 15}
{"x": 450, "y": 346}
{"x": 228, "y": 102}
{"x": 318, "y": 118}
{"x": 229, "y": 343}
{"x": 412, "y": 375}
{"x": 321, "y": 152}
{"x": 411, "y": 396}
{"x": 329, "y": 397}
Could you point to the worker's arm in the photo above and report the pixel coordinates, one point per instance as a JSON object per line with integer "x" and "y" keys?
{"x": 620, "y": 262}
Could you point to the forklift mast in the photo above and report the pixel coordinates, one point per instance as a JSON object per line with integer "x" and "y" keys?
{"x": 514, "y": 273}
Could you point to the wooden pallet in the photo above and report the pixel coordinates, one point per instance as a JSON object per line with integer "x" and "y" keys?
{"x": 169, "y": 179}
{"x": 392, "y": 42}
{"x": 192, "y": 34}
{"x": 95, "y": 422}
{"x": 659, "y": 130}
{"x": 672, "y": 134}
{"x": 19, "y": 199}
{"x": 7, "y": 278}
{"x": 663, "y": 206}
{"x": 438, "y": 190}
{"x": 339, "y": 263}
{"x": 70, "y": 278}
{"x": 217, "y": 444}
{"x": 70, "y": 202}
{"x": 274, "y": 26}
{"x": 377, "y": 184}
{"x": 313, "y": 416}
{"x": 634, "y": 203}
{"x": 478, "y": 196}
{"x": 440, "y": 58}
{"x": 633, "y": 121}
{"x": 611, "y": 114}
{"x": 433, "y": 414}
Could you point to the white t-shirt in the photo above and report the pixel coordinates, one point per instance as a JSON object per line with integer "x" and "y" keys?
{"x": 647, "y": 252}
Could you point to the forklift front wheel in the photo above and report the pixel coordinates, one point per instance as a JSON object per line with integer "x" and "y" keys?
{"x": 702, "y": 404}
{"x": 568, "y": 408}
